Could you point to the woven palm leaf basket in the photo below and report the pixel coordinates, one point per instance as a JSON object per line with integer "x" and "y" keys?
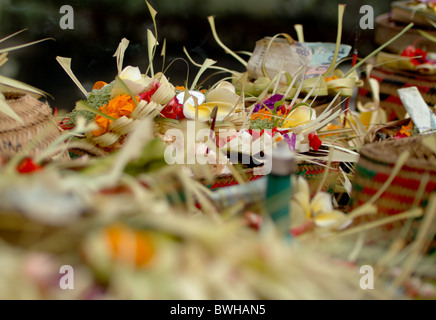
{"x": 411, "y": 186}
{"x": 312, "y": 172}
{"x": 390, "y": 81}
{"x": 38, "y": 127}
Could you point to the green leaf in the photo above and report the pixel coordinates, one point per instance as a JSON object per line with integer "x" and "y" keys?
{"x": 288, "y": 78}
{"x": 125, "y": 87}
{"x": 82, "y": 105}
{"x": 278, "y": 104}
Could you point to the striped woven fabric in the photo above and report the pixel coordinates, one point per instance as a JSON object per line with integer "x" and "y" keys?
{"x": 400, "y": 196}
{"x": 390, "y": 81}
{"x": 375, "y": 166}
{"x": 229, "y": 180}
{"x": 312, "y": 172}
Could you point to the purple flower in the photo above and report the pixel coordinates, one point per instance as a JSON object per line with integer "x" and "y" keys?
{"x": 290, "y": 140}
{"x": 269, "y": 103}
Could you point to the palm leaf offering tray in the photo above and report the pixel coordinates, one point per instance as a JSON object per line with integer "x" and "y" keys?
{"x": 421, "y": 13}
{"x": 266, "y": 185}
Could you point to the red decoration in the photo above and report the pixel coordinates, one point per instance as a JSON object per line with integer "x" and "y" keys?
{"x": 173, "y": 110}
{"x": 27, "y": 165}
{"x": 147, "y": 94}
{"x": 64, "y": 124}
{"x": 411, "y": 51}
{"x": 314, "y": 141}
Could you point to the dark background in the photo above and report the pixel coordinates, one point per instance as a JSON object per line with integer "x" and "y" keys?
{"x": 99, "y": 26}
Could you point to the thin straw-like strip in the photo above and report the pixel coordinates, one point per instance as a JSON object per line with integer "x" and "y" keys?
{"x": 361, "y": 62}
{"x": 125, "y": 87}
{"x": 82, "y": 105}
{"x": 326, "y": 172}
{"x": 278, "y": 78}
{"x": 413, "y": 213}
{"x": 300, "y": 34}
{"x": 294, "y": 79}
{"x": 7, "y": 109}
{"x": 313, "y": 89}
{"x": 341, "y": 9}
{"x": 206, "y": 64}
{"x": 21, "y": 86}
{"x": 398, "y": 165}
{"x": 151, "y": 44}
{"x": 425, "y": 231}
{"x": 163, "y": 53}
{"x": 151, "y": 40}
{"x": 210, "y": 67}
{"x": 217, "y": 39}
{"x": 12, "y": 35}
{"x": 3, "y": 58}
{"x": 66, "y": 65}
{"x": 287, "y": 37}
{"x": 119, "y": 53}
{"x": 24, "y": 45}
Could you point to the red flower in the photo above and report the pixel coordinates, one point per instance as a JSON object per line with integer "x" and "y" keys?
{"x": 314, "y": 141}
{"x": 173, "y": 110}
{"x": 27, "y": 165}
{"x": 146, "y": 95}
{"x": 411, "y": 51}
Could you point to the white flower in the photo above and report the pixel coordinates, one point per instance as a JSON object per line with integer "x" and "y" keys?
{"x": 131, "y": 73}
{"x": 133, "y": 79}
{"x": 319, "y": 208}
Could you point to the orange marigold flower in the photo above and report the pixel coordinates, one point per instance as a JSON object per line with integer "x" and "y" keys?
{"x": 264, "y": 114}
{"x": 332, "y": 126}
{"x": 102, "y": 123}
{"x": 98, "y": 85}
{"x": 126, "y": 245}
{"x": 261, "y": 114}
{"x": 407, "y": 130}
{"x": 121, "y": 105}
{"x": 327, "y": 79}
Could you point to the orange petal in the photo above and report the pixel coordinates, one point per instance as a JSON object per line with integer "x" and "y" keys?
{"x": 123, "y": 241}
{"x": 98, "y": 85}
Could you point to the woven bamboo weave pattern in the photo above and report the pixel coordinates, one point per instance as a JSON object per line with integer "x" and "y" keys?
{"x": 37, "y": 121}
{"x": 375, "y": 166}
{"x": 390, "y": 81}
